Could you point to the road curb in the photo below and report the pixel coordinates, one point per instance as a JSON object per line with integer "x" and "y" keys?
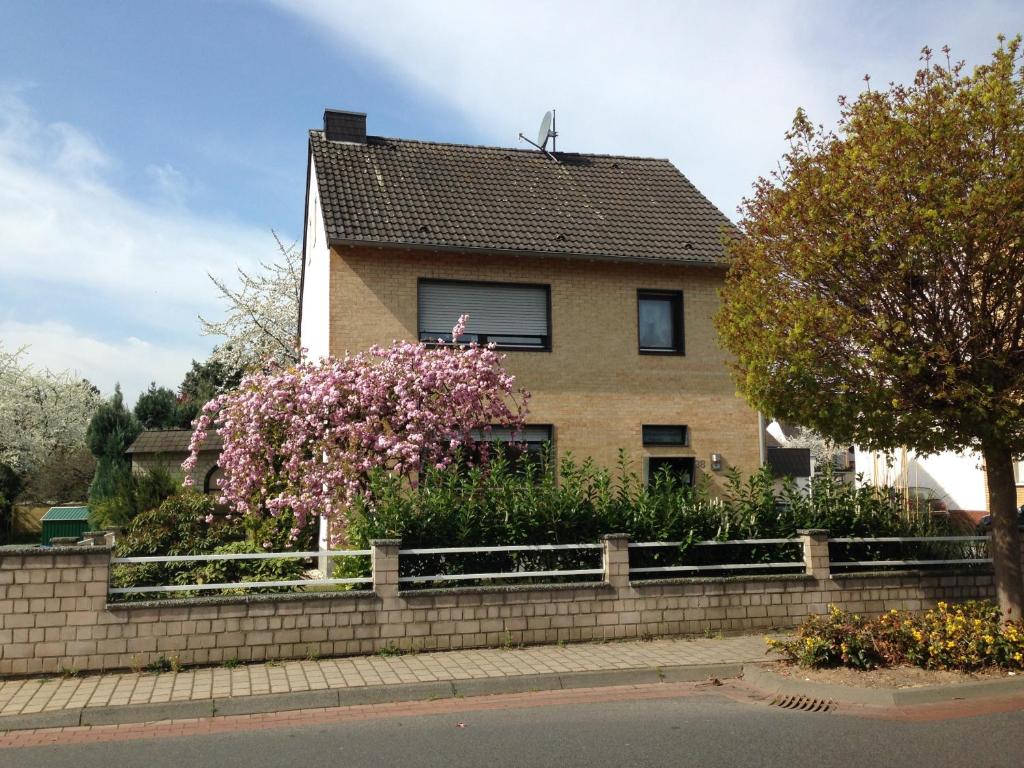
{"x": 773, "y": 684}
{"x": 377, "y": 694}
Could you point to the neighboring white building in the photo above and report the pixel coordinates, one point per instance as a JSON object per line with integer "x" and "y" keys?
{"x": 957, "y": 479}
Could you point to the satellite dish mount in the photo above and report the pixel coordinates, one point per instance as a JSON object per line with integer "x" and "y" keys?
{"x": 546, "y": 133}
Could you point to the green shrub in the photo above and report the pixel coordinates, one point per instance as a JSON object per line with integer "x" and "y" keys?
{"x": 132, "y": 494}
{"x": 190, "y": 523}
{"x": 960, "y": 637}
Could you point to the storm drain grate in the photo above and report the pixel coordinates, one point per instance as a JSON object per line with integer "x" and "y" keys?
{"x": 803, "y": 704}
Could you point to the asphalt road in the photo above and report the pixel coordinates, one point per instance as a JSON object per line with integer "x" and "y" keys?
{"x": 706, "y": 731}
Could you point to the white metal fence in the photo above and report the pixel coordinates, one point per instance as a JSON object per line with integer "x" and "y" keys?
{"x": 791, "y": 565}
{"x": 973, "y": 550}
{"x": 439, "y": 565}
{"x": 486, "y": 576}
{"x": 199, "y": 587}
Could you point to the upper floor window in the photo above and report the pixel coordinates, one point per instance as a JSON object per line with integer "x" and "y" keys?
{"x": 660, "y": 322}
{"x": 511, "y": 315}
{"x": 1018, "y": 472}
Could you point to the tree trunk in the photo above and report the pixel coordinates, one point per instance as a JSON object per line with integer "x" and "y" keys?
{"x": 1006, "y": 554}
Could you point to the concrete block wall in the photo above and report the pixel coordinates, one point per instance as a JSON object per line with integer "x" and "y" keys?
{"x": 54, "y": 610}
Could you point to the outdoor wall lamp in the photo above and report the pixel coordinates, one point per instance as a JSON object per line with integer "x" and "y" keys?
{"x": 716, "y": 462}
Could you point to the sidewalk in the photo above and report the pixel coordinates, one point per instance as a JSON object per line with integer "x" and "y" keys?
{"x": 266, "y": 687}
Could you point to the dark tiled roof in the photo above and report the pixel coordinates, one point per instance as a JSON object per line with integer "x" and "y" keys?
{"x": 454, "y": 196}
{"x": 790, "y": 462}
{"x": 171, "y": 441}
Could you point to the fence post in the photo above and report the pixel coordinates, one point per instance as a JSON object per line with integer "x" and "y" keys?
{"x": 384, "y": 560}
{"x": 816, "y": 559}
{"x": 616, "y": 559}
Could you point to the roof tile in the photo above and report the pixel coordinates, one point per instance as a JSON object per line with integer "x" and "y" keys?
{"x": 434, "y": 195}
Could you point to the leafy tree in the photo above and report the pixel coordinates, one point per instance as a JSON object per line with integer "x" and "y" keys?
{"x": 112, "y": 430}
{"x": 158, "y": 408}
{"x": 261, "y": 326}
{"x": 10, "y": 487}
{"x": 877, "y": 293}
{"x": 202, "y": 383}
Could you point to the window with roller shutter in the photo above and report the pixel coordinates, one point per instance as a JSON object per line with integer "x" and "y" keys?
{"x": 514, "y": 316}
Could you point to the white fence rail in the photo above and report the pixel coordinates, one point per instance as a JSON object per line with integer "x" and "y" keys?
{"x": 910, "y": 562}
{"x": 481, "y": 576}
{"x": 972, "y": 552}
{"x": 329, "y": 554}
{"x": 787, "y": 564}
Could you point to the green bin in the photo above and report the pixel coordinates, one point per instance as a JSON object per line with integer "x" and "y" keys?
{"x": 64, "y": 521}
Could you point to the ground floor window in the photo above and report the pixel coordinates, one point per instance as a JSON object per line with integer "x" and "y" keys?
{"x": 682, "y": 468}
{"x": 211, "y": 483}
{"x": 527, "y": 445}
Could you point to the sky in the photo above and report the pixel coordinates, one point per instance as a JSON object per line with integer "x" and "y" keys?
{"x": 144, "y": 145}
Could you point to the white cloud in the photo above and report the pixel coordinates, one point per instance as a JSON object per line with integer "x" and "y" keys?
{"x": 713, "y": 86}
{"x": 129, "y": 360}
{"x": 135, "y": 268}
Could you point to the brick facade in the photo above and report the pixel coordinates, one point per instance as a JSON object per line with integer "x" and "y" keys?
{"x": 54, "y": 611}
{"x": 593, "y": 386}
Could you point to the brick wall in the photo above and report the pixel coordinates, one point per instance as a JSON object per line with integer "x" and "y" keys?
{"x": 594, "y": 386}
{"x": 54, "y": 611}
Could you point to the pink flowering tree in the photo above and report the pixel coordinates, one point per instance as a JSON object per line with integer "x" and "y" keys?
{"x": 303, "y": 439}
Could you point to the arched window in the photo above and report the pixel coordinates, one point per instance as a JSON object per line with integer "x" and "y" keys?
{"x": 211, "y": 483}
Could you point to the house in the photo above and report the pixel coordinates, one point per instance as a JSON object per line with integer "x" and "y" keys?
{"x": 166, "y": 449}
{"x": 790, "y": 463}
{"x": 597, "y": 274}
{"x": 957, "y": 479}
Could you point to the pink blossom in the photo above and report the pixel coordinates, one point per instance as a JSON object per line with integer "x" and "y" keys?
{"x": 397, "y": 408}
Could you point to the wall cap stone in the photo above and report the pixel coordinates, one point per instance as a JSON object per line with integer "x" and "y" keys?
{"x": 608, "y": 536}
{"x": 20, "y": 550}
{"x": 771, "y": 577}
{"x": 812, "y": 532}
{"x": 385, "y": 542}
{"x": 964, "y": 570}
{"x": 506, "y": 589}
{"x": 194, "y": 602}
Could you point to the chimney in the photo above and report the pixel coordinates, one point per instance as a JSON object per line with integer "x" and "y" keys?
{"x": 340, "y": 125}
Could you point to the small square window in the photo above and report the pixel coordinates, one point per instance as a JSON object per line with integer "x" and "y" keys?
{"x": 660, "y": 322}
{"x": 665, "y": 434}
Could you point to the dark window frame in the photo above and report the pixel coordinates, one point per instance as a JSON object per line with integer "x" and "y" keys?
{"x": 209, "y": 476}
{"x": 678, "y": 327}
{"x": 685, "y": 442}
{"x": 431, "y": 341}
{"x": 549, "y": 441}
{"x": 692, "y": 460}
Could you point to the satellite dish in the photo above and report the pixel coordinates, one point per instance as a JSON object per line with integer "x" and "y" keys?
{"x": 545, "y": 130}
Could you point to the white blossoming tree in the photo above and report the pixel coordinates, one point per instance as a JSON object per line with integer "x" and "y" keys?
{"x": 43, "y": 419}
{"x": 41, "y": 412}
{"x": 261, "y": 324}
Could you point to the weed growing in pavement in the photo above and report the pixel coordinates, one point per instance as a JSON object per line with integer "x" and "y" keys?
{"x": 164, "y": 664}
